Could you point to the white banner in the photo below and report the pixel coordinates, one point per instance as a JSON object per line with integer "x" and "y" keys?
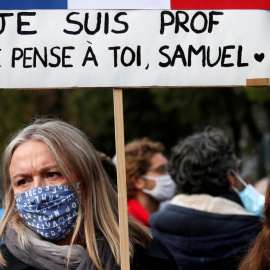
{"x": 133, "y": 48}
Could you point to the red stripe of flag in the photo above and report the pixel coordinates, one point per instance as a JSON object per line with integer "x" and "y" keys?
{"x": 220, "y": 4}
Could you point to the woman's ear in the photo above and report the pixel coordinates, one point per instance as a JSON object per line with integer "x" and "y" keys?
{"x": 139, "y": 183}
{"x": 230, "y": 179}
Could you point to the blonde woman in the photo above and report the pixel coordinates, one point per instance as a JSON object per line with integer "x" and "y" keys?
{"x": 61, "y": 209}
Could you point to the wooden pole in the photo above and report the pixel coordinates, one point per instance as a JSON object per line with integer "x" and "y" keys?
{"x": 258, "y": 82}
{"x": 121, "y": 177}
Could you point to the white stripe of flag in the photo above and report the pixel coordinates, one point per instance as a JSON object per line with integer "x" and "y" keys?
{"x": 119, "y": 4}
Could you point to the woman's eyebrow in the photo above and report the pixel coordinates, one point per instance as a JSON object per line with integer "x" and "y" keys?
{"x": 18, "y": 175}
{"x": 43, "y": 169}
{"x": 49, "y": 167}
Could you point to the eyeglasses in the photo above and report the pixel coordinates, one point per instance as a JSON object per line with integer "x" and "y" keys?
{"x": 160, "y": 170}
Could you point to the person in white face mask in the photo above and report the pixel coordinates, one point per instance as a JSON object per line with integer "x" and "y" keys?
{"x": 207, "y": 225}
{"x": 148, "y": 181}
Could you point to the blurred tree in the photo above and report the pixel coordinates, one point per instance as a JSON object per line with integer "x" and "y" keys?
{"x": 171, "y": 114}
{"x": 92, "y": 111}
{"x": 164, "y": 114}
{"x": 260, "y": 96}
{"x": 18, "y": 108}
{"x": 14, "y": 107}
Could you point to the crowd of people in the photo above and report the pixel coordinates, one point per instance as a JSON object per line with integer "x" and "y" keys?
{"x": 189, "y": 211}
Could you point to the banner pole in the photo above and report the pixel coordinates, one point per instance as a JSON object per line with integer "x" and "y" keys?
{"x": 121, "y": 178}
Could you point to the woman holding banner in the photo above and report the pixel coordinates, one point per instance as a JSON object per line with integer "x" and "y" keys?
{"x": 61, "y": 209}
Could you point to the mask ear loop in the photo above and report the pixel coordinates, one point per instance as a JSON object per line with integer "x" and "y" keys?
{"x": 240, "y": 179}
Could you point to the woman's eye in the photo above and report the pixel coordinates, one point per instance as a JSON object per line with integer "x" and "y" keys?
{"x": 22, "y": 182}
{"x": 53, "y": 174}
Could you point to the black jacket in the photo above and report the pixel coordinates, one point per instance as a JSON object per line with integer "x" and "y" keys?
{"x": 201, "y": 240}
{"x": 157, "y": 257}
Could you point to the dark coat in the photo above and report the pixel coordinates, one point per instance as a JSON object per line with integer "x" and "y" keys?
{"x": 203, "y": 240}
{"x": 157, "y": 257}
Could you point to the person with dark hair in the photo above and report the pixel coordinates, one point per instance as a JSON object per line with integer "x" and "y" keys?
{"x": 206, "y": 225}
{"x": 109, "y": 167}
{"x": 148, "y": 180}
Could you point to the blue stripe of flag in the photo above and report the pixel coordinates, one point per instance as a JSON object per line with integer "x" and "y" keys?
{"x": 33, "y": 4}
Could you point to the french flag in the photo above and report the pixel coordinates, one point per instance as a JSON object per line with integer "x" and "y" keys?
{"x": 137, "y": 4}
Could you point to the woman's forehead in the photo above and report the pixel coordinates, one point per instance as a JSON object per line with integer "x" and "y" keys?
{"x": 31, "y": 155}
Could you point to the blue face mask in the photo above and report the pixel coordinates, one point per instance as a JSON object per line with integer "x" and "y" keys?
{"x": 252, "y": 200}
{"x": 50, "y": 210}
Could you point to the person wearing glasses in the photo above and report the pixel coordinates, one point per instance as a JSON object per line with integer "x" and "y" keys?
{"x": 210, "y": 223}
{"x": 148, "y": 180}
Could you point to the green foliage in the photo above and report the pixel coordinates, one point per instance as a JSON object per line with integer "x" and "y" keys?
{"x": 166, "y": 115}
{"x": 258, "y": 94}
{"x": 170, "y": 114}
{"x": 92, "y": 111}
{"x": 15, "y": 107}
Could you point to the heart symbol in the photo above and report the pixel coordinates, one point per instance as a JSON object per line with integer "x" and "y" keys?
{"x": 259, "y": 57}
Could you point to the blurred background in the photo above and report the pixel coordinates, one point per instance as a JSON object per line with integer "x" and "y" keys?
{"x": 165, "y": 114}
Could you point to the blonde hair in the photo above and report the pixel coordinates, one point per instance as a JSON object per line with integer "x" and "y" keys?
{"x": 74, "y": 153}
